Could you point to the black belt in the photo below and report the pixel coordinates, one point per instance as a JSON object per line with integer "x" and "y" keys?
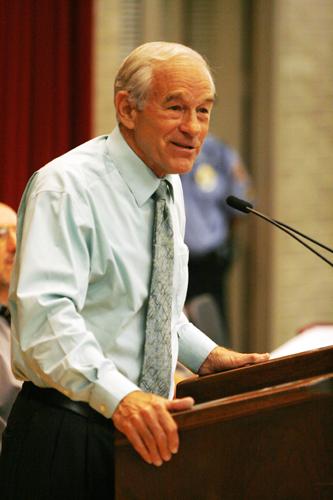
{"x": 54, "y": 398}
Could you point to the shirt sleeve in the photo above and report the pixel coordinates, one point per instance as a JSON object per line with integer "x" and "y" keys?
{"x": 49, "y": 288}
{"x": 194, "y": 345}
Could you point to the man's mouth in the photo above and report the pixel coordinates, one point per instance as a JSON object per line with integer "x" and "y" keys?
{"x": 184, "y": 146}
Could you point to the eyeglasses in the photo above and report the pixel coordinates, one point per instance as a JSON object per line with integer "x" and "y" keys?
{"x": 5, "y": 231}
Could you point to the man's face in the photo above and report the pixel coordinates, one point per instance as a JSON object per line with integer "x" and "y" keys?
{"x": 168, "y": 133}
{"x": 7, "y": 243}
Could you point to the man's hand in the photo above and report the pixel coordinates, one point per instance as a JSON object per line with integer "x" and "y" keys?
{"x": 145, "y": 420}
{"x": 220, "y": 359}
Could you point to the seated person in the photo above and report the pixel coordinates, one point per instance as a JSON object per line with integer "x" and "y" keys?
{"x": 9, "y": 386}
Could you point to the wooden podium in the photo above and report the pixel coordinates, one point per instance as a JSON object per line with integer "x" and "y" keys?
{"x": 258, "y": 432}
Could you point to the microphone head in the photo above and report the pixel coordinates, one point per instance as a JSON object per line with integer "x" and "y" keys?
{"x": 238, "y": 204}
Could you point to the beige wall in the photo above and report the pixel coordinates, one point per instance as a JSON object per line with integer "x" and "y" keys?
{"x": 303, "y": 187}
{"x": 295, "y": 161}
{"x": 106, "y": 62}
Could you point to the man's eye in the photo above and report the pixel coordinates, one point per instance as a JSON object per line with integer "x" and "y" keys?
{"x": 203, "y": 110}
{"x": 175, "y": 107}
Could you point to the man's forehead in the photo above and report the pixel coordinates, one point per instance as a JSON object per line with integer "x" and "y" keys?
{"x": 180, "y": 71}
{"x": 170, "y": 87}
{"x": 172, "y": 96}
{"x": 7, "y": 216}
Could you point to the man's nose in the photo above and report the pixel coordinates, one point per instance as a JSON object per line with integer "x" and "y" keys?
{"x": 190, "y": 123}
{"x": 11, "y": 240}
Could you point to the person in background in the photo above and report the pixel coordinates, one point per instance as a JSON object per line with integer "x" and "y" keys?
{"x": 217, "y": 173}
{"x": 9, "y": 385}
{"x": 99, "y": 284}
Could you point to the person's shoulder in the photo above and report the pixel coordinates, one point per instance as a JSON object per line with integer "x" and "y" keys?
{"x": 78, "y": 167}
{"x": 81, "y": 158}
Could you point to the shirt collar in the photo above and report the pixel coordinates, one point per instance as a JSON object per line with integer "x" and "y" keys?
{"x": 139, "y": 178}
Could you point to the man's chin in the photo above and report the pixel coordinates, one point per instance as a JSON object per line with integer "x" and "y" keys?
{"x": 177, "y": 167}
{"x": 182, "y": 167}
{"x": 185, "y": 170}
{"x": 4, "y": 280}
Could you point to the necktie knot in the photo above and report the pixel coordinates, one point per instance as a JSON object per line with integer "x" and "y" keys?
{"x": 162, "y": 192}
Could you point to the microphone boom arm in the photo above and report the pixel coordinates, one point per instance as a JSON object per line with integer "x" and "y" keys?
{"x": 325, "y": 247}
{"x": 289, "y": 230}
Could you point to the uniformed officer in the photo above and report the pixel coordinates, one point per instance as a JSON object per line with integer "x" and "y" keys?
{"x": 217, "y": 173}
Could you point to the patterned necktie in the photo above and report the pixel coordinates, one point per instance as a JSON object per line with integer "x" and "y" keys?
{"x": 156, "y": 370}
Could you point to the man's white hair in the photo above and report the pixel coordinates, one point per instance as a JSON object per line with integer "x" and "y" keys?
{"x": 136, "y": 72}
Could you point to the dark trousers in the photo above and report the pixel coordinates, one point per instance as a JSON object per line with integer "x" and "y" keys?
{"x": 52, "y": 453}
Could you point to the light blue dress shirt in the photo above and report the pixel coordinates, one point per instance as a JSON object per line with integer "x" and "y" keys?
{"x": 81, "y": 278}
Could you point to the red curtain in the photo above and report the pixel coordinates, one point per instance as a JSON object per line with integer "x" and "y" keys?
{"x": 45, "y": 75}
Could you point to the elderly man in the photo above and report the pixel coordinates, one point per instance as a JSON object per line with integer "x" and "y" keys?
{"x": 99, "y": 287}
{"x": 9, "y": 386}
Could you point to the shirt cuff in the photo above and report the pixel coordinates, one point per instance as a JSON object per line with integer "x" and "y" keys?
{"x": 194, "y": 346}
{"x": 110, "y": 388}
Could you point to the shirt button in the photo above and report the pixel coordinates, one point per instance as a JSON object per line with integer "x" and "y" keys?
{"x": 102, "y": 408}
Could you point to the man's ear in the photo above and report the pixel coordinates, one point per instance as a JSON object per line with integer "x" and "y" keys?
{"x": 125, "y": 108}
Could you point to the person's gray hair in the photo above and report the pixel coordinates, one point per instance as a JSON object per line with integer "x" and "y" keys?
{"x": 136, "y": 72}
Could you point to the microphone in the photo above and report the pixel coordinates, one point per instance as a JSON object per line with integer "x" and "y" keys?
{"x": 247, "y": 207}
{"x": 238, "y": 204}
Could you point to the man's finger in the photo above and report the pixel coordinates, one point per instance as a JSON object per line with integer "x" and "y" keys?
{"x": 136, "y": 441}
{"x": 153, "y": 438}
{"x": 138, "y": 416}
{"x": 159, "y": 422}
{"x": 139, "y": 435}
{"x": 171, "y": 431}
{"x": 252, "y": 358}
{"x": 146, "y": 421}
{"x": 169, "y": 424}
{"x": 180, "y": 404}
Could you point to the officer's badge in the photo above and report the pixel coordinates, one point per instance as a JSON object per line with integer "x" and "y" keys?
{"x": 205, "y": 177}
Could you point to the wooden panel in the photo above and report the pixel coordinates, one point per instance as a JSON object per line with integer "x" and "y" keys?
{"x": 275, "y": 443}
